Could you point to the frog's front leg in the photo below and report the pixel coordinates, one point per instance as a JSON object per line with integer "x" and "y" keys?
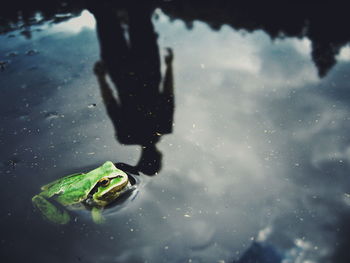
{"x": 96, "y": 214}
{"x": 50, "y": 211}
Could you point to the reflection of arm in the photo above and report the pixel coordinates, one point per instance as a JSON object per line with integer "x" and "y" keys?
{"x": 168, "y": 84}
{"x": 109, "y": 100}
{"x": 167, "y": 101}
{"x": 106, "y": 92}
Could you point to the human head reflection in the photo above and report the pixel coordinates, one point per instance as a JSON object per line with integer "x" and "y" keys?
{"x": 143, "y": 111}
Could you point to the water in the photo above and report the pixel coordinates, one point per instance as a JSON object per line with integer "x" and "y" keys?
{"x": 257, "y": 159}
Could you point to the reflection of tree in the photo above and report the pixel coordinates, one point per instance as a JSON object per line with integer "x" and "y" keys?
{"x": 323, "y": 24}
{"x": 143, "y": 112}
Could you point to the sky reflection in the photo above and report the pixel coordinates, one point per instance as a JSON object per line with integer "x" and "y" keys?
{"x": 262, "y": 135}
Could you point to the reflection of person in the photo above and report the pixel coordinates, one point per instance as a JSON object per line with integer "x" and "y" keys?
{"x": 142, "y": 112}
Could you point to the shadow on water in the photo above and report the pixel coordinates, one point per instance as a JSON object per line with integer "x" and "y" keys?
{"x": 130, "y": 56}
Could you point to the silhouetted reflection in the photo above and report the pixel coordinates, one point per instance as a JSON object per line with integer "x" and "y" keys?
{"x": 276, "y": 19}
{"x": 280, "y": 19}
{"x": 130, "y": 55}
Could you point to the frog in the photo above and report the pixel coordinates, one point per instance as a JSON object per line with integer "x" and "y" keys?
{"x": 93, "y": 191}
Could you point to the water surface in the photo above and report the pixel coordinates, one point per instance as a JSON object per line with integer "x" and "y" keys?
{"x": 259, "y": 152}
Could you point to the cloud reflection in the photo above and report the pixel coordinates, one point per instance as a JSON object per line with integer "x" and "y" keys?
{"x": 262, "y": 137}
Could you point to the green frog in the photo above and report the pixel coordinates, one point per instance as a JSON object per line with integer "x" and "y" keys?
{"x": 93, "y": 190}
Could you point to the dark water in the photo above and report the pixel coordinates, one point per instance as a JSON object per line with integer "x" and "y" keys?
{"x": 254, "y": 169}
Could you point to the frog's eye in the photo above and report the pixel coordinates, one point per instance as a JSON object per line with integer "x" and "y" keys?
{"x": 105, "y": 182}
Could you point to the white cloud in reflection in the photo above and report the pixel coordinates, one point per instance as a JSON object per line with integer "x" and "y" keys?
{"x": 253, "y": 129}
{"x": 76, "y": 24}
{"x": 344, "y": 54}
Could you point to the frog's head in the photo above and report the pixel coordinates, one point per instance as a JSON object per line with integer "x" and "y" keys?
{"x": 109, "y": 187}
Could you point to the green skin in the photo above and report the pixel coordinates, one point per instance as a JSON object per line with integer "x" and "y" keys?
{"x": 94, "y": 190}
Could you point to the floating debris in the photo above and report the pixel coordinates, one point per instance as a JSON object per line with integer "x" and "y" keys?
{"x": 12, "y": 163}
{"x": 92, "y": 105}
{"x": 12, "y": 54}
{"x": 3, "y": 64}
{"x": 32, "y": 52}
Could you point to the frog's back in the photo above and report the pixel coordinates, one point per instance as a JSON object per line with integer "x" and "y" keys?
{"x": 69, "y": 190}
{"x": 61, "y": 181}
{"x": 74, "y": 188}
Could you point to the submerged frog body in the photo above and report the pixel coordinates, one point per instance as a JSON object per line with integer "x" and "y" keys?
{"x": 93, "y": 190}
